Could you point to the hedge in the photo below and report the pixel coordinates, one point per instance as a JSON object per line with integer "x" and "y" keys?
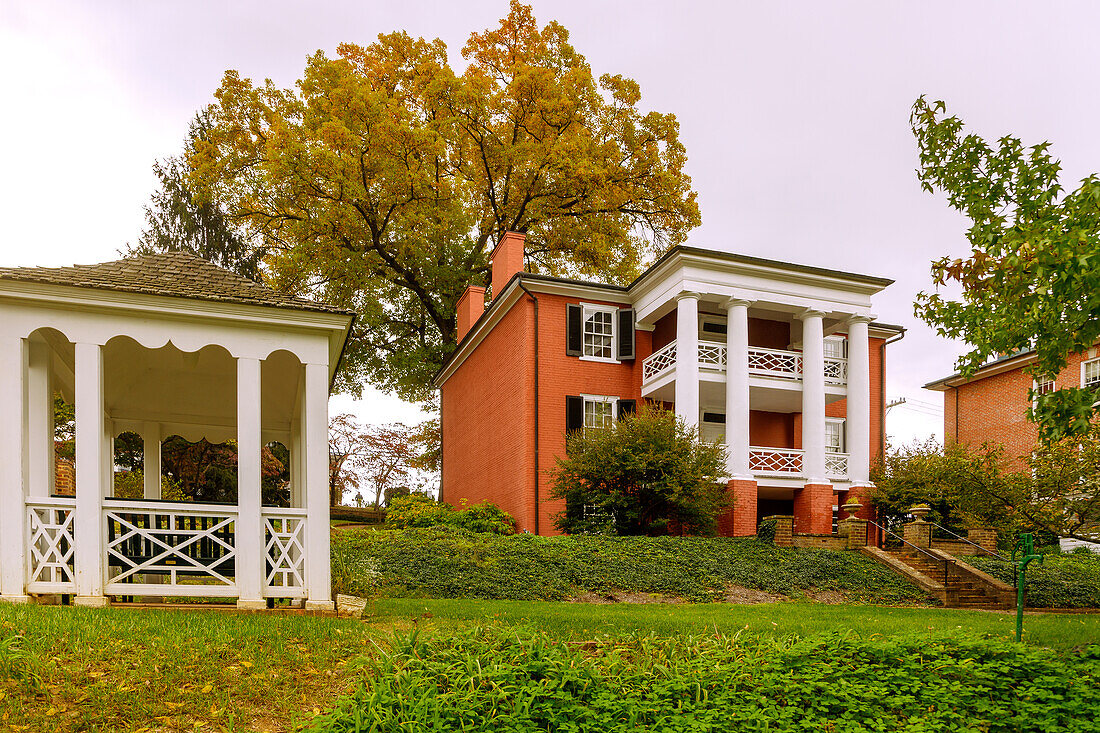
{"x": 447, "y": 563}
{"x": 1071, "y": 580}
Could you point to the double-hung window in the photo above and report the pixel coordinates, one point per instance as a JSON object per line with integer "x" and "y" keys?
{"x": 834, "y": 435}
{"x": 1090, "y": 373}
{"x": 599, "y": 332}
{"x": 599, "y": 412}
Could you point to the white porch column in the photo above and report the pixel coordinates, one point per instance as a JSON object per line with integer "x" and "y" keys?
{"x": 315, "y": 429}
{"x": 13, "y": 517}
{"x": 151, "y": 437}
{"x": 813, "y": 397}
{"x": 91, "y": 468}
{"x": 249, "y": 534}
{"x": 40, "y": 453}
{"x": 296, "y": 461}
{"x": 737, "y": 389}
{"x": 859, "y": 401}
{"x": 687, "y": 358}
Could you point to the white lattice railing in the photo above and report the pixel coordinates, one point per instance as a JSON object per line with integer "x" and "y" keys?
{"x": 836, "y": 370}
{"x": 659, "y": 361}
{"x": 775, "y": 460}
{"x": 50, "y": 544}
{"x": 775, "y": 363}
{"x": 836, "y": 464}
{"x": 189, "y": 548}
{"x": 712, "y": 355}
{"x": 284, "y": 548}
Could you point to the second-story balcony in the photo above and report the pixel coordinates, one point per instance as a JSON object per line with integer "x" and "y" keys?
{"x": 771, "y": 363}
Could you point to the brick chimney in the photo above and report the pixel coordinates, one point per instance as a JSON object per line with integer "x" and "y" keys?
{"x": 470, "y": 307}
{"x": 507, "y": 259}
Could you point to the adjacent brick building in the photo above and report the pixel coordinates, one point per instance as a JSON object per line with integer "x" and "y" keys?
{"x": 548, "y": 355}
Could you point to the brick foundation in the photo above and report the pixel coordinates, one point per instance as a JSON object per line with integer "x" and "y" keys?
{"x": 784, "y": 530}
{"x": 740, "y": 519}
{"x": 813, "y": 509}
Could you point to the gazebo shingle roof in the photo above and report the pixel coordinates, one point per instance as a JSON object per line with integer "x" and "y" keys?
{"x": 172, "y": 274}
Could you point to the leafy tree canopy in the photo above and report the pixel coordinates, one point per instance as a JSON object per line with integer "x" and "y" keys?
{"x": 1032, "y": 280}
{"x": 648, "y": 474}
{"x": 383, "y": 180}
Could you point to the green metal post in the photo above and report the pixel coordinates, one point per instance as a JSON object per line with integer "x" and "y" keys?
{"x": 1026, "y": 546}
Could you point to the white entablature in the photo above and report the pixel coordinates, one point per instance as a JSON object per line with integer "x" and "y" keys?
{"x": 162, "y": 345}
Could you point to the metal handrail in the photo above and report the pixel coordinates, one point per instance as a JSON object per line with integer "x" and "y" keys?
{"x": 946, "y": 563}
{"x": 971, "y": 542}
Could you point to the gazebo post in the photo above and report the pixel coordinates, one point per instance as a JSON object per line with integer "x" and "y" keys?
{"x": 90, "y": 471}
{"x": 13, "y": 548}
{"x": 40, "y": 451}
{"x": 150, "y": 438}
{"x": 249, "y": 534}
{"x": 315, "y": 424}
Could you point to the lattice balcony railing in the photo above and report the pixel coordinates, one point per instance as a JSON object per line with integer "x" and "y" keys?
{"x": 775, "y": 363}
{"x": 51, "y": 546}
{"x": 836, "y": 370}
{"x": 659, "y": 361}
{"x": 712, "y": 355}
{"x": 285, "y": 537}
{"x": 775, "y": 460}
{"x": 836, "y": 464}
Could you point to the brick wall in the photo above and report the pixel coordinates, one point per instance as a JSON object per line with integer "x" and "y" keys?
{"x": 64, "y": 477}
{"x": 561, "y": 376}
{"x": 488, "y": 420}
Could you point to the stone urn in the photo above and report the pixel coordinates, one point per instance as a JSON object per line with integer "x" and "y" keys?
{"x": 920, "y": 512}
{"x": 852, "y": 507}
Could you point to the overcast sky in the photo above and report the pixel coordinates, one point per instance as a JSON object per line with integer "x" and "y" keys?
{"x": 794, "y": 114}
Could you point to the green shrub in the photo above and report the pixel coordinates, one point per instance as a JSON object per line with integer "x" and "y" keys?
{"x": 1062, "y": 581}
{"x": 442, "y": 562}
{"x": 505, "y": 680}
{"x": 420, "y": 510}
{"x": 483, "y": 517}
{"x": 766, "y": 531}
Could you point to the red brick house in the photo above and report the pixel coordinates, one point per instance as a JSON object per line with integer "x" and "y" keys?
{"x": 992, "y": 404}
{"x": 801, "y": 415}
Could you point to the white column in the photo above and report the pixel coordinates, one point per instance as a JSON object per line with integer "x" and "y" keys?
{"x": 91, "y": 466}
{"x": 40, "y": 454}
{"x": 813, "y": 397}
{"x": 249, "y": 535}
{"x": 858, "y": 418}
{"x": 687, "y": 358}
{"x": 13, "y": 549}
{"x": 315, "y": 434}
{"x": 296, "y": 461}
{"x": 737, "y": 389}
{"x": 151, "y": 437}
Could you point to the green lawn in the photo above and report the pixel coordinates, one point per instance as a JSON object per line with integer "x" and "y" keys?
{"x": 75, "y": 669}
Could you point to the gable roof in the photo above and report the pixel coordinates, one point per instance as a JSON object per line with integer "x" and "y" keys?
{"x": 171, "y": 274}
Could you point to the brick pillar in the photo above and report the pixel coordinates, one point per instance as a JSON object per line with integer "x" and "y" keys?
{"x": 918, "y": 532}
{"x": 784, "y": 530}
{"x": 740, "y": 520}
{"x": 813, "y": 509}
{"x": 983, "y": 536}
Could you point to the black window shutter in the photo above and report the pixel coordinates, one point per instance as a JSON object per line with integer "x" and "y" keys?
{"x": 626, "y": 333}
{"x": 573, "y": 330}
{"x": 626, "y": 407}
{"x": 574, "y": 414}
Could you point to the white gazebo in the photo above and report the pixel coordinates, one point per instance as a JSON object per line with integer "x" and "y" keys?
{"x": 162, "y": 345}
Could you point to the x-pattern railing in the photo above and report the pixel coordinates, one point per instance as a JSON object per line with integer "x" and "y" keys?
{"x": 836, "y": 370}
{"x": 836, "y": 464}
{"x": 775, "y": 460}
{"x": 178, "y": 544}
{"x": 712, "y": 355}
{"x": 659, "y": 361}
{"x": 51, "y": 545}
{"x": 775, "y": 363}
{"x": 285, "y": 550}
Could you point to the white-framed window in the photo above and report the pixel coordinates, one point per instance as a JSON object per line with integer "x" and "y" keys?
{"x": 834, "y": 434}
{"x": 599, "y": 411}
{"x": 836, "y": 347}
{"x": 598, "y": 332}
{"x": 1090, "y": 373}
{"x": 1044, "y": 386}
{"x": 712, "y": 426}
{"x": 712, "y": 327}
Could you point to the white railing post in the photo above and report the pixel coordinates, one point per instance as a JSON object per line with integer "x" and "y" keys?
{"x": 687, "y": 359}
{"x": 91, "y": 471}
{"x": 13, "y": 558}
{"x": 737, "y": 389}
{"x": 813, "y": 396}
{"x": 248, "y": 533}
{"x": 858, "y": 420}
{"x": 315, "y": 425}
